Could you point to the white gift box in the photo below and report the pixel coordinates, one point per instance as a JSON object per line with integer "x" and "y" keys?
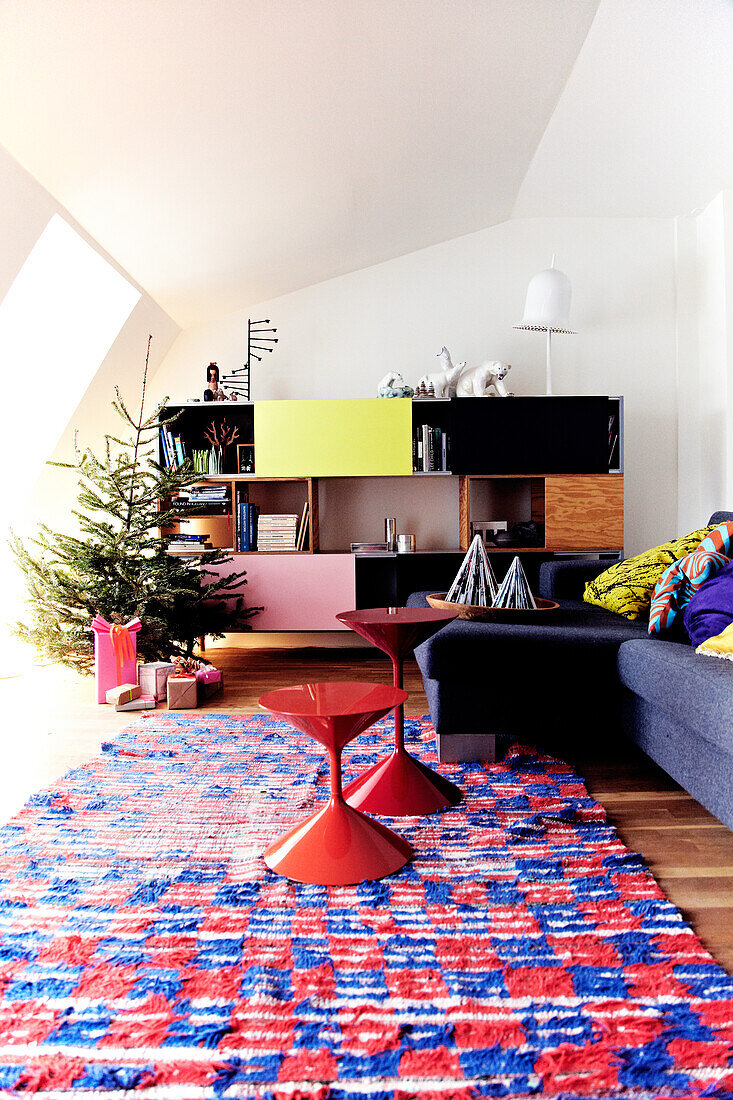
{"x": 153, "y": 678}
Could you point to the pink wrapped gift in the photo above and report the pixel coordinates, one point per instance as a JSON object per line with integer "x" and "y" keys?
{"x": 209, "y": 681}
{"x": 208, "y": 675}
{"x": 115, "y": 654}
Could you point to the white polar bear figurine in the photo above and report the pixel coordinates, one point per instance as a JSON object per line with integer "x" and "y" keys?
{"x": 480, "y": 381}
{"x": 393, "y": 385}
{"x": 443, "y": 381}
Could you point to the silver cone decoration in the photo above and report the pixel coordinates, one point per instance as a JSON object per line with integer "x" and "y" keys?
{"x": 475, "y": 582}
{"x": 514, "y": 590}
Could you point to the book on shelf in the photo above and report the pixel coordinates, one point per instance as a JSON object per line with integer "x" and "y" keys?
{"x": 613, "y": 442}
{"x": 247, "y": 524}
{"x": 430, "y": 449}
{"x": 302, "y": 539}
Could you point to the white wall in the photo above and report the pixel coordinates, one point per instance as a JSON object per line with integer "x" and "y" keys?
{"x": 25, "y": 210}
{"x": 705, "y": 359}
{"x": 338, "y": 338}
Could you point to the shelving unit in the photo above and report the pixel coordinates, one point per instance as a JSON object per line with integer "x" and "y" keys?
{"x": 272, "y": 494}
{"x": 572, "y": 511}
{"x": 357, "y": 457}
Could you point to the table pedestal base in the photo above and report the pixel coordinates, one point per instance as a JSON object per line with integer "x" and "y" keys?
{"x": 338, "y": 846}
{"x": 401, "y": 786}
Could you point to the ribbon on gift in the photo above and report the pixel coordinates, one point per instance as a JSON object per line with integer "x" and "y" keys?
{"x": 122, "y": 647}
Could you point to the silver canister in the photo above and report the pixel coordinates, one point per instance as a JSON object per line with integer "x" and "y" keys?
{"x": 405, "y": 544}
{"x": 390, "y": 533}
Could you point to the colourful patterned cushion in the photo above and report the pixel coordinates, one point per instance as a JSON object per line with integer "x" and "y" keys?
{"x": 710, "y": 611}
{"x": 679, "y": 583}
{"x": 720, "y": 540}
{"x": 626, "y": 588}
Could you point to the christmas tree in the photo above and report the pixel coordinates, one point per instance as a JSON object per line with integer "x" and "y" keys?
{"x": 117, "y": 565}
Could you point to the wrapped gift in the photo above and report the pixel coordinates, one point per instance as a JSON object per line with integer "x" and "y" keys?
{"x": 153, "y": 678}
{"x": 182, "y": 692}
{"x": 115, "y": 654}
{"x": 209, "y": 681}
{"x": 125, "y": 693}
{"x": 143, "y": 702}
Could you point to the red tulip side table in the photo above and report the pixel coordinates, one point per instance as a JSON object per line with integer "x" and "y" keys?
{"x": 338, "y": 844}
{"x": 400, "y": 785}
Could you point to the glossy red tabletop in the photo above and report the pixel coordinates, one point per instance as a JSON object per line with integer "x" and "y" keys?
{"x": 335, "y": 713}
{"x": 396, "y": 630}
{"x": 333, "y": 700}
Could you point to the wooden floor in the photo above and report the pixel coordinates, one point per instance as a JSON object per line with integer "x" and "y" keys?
{"x": 52, "y": 724}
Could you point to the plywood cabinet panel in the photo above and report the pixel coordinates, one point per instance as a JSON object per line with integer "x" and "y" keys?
{"x": 584, "y": 512}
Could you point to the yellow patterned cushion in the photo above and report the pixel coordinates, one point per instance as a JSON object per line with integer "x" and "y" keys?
{"x": 627, "y": 587}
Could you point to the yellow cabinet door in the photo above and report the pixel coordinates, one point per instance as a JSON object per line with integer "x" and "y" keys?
{"x": 341, "y": 438}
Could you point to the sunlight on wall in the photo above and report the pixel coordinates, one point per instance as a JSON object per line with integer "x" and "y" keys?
{"x": 58, "y": 321}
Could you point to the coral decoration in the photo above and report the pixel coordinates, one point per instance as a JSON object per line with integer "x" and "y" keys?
{"x": 221, "y": 434}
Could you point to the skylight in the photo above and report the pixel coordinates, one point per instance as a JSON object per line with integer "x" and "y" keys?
{"x": 57, "y": 322}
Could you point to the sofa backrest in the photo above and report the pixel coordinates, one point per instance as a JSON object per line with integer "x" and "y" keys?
{"x": 721, "y": 517}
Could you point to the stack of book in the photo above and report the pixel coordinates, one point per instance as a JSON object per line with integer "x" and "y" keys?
{"x": 208, "y": 498}
{"x": 475, "y": 582}
{"x": 430, "y": 449}
{"x": 189, "y": 544}
{"x": 277, "y": 532}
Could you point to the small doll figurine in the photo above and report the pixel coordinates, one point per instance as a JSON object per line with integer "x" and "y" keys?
{"x": 212, "y": 382}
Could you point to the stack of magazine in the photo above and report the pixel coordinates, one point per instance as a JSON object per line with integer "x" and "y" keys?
{"x": 204, "y": 498}
{"x": 475, "y": 582}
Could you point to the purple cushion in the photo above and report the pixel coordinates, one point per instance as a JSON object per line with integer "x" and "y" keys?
{"x": 711, "y": 609}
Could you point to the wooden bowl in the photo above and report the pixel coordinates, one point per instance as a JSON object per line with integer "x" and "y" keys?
{"x": 544, "y": 610}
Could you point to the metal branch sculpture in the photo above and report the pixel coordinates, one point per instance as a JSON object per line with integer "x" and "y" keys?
{"x": 257, "y": 340}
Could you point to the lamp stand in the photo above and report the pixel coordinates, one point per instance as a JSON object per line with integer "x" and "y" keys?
{"x": 548, "y": 373}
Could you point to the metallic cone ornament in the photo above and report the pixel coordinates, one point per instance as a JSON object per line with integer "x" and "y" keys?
{"x": 475, "y": 582}
{"x": 514, "y": 590}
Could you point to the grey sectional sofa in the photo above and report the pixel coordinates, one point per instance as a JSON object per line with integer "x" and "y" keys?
{"x": 586, "y": 674}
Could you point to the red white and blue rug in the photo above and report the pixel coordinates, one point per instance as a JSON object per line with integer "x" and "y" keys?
{"x": 525, "y": 952}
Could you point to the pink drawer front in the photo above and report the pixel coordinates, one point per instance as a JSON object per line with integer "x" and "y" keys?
{"x": 298, "y": 592}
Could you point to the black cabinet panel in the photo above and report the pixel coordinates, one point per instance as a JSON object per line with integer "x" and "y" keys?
{"x": 523, "y": 435}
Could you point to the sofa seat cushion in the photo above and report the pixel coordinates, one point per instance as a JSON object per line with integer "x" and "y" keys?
{"x": 696, "y": 691}
{"x": 569, "y": 642}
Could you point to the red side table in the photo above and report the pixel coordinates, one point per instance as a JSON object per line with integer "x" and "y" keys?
{"x": 337, "y": 845}
{"x": 400, "y": 785}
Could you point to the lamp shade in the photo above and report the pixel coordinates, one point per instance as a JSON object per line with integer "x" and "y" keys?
{"x": 547, "y": 307}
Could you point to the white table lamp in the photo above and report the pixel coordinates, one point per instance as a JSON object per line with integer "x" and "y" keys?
{"x": 547, "y": 309}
